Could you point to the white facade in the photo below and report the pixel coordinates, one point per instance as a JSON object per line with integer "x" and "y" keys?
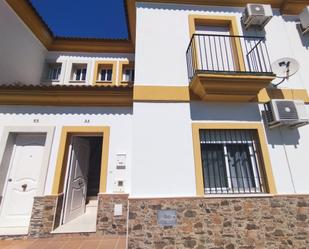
{"x": 156, "y": 136}
{"x": 165, "y": 65}
{"x": 118, "y": 119}
{"x": 22, "y": 54}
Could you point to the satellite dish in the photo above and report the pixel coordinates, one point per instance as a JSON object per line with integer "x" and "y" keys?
{"x": 285, "y": 67}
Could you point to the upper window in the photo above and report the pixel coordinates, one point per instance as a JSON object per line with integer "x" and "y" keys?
{"x": 128, "y": 74}
{"x": 79, "y": 72}
{"x": 231, "y": 161}
{"x": 52, "y": 72}
{"x": 105, "y": 74}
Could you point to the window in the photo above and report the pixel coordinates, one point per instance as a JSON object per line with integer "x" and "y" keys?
{"x": 128, "y": 74}
{"x": 105, "y": 74}
{"x": 53, "y": 71}
{"x": 230, "y": 161}
{"x": 79, "y": 72}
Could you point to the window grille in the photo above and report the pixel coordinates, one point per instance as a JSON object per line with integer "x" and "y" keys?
{"x": 231, "y": 162}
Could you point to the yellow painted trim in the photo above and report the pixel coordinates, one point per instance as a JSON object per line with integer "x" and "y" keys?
{"x": 263, "y": 147}
{"x": 215, "y": 20}
{"x": 161, "y": 93}
{"x": 266, "y": 95}
{"x": 61, "y": 163}
{"x": 123, "y": 64}
{"x": 97, "y": 65}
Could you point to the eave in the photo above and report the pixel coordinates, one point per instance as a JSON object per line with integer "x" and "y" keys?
{"x": 288, "y": 7}
{"x": 27, "y": 13}
{"x": 62, "y": 95}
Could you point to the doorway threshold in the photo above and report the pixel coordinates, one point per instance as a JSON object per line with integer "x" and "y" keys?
{"x": 13, "y": 231}
{"x": 86, "y": 223}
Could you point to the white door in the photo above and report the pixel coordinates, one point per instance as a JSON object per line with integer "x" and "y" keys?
{"x": 22, "y": 180}
{"x": 77, "y": 178}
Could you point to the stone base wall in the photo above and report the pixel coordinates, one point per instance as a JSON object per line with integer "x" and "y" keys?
{"x": 43, "y": 215}
{"x": 278, "y": 222}
{"x": 107, "y": 222}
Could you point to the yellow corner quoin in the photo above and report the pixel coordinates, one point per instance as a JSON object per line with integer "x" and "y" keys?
{"x": 98, "y": 64}
{"x": 266, "y": 95}
{"x": 61, "y": 164}
{"x": 161, "y": 93}
{"x": 196, "y": 127}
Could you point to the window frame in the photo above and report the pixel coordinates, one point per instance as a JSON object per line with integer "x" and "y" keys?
{"x": 78, "y": 66}
{"x": 123, "y": 65}
{"x": 263, "y": 148}
{"x": 255, "y": 168}
{"x": 97, "y": 71}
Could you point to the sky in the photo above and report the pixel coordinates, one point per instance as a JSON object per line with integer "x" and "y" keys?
{"x": 84, "y": 18}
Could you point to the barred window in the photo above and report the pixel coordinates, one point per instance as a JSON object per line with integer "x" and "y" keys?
{"x": 231, "y": 161}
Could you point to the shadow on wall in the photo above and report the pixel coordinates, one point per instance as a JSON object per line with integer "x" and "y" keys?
{"x": 66, "y": 110}
{"x": 303, "y": 38}
{"x": 281, "y": 135}
{"x": 225, "y": 111}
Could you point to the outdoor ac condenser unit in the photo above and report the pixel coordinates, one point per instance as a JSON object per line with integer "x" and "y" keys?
{"x": 257, "y": 15}
{"x": 291, "y": 113}
{"x": 304, "y": 20}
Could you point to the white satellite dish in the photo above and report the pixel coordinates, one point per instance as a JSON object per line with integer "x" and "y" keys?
{"x": 285, "y": 67}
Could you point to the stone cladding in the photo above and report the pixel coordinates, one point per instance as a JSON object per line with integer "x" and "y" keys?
{"x": 275, "y": 222}
{"x": 107, "y": 223}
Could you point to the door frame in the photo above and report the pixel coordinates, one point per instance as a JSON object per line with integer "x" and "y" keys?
{"x": 9, "y": 131}
{"x": 61, "y": 165}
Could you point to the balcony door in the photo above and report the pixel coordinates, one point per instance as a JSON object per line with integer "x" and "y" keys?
{"x": 215, "y": 48}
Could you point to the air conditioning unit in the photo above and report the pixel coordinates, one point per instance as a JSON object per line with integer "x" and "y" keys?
{"x": 291, "y": 113}
{"x": 304, "y": 20}
{"x": 257, "y": 15}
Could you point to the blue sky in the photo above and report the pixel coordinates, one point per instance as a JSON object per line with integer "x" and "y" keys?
{"x": 84, "y": 18}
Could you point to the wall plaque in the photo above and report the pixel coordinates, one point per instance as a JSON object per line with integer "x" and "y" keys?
{"x": 167, "y": 218}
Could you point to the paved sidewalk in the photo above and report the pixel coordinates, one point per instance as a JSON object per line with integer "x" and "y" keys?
{"x": 80, "y": 242}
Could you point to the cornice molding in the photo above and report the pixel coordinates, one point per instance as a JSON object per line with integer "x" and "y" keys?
{"x": 288, "y": 7}
{"x": 66, "y": 96}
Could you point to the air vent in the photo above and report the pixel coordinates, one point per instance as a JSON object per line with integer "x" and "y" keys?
{"x": 256, "y": 15}
{"x": 287, "y": 110}
{"x": 257, "y": 10}
{"x": 291, "y": 113}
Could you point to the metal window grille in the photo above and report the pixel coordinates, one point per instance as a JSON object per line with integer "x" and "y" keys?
{"x": 232, "y": 162}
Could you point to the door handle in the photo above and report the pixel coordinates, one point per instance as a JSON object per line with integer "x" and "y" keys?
{"x": 24, "y": 187}
{"x": 10, "y": 179}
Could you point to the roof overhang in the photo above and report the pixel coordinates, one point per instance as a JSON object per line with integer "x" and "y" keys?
{"x": 32, "y": 19}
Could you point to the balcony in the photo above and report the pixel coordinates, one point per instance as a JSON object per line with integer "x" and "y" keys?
{"x": 228, "y": 68}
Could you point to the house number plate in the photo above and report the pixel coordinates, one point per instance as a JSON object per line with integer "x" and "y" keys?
{"x": 167, "y": 218}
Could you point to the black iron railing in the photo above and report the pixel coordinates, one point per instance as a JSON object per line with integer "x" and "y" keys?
{"x": 227, "y": 54}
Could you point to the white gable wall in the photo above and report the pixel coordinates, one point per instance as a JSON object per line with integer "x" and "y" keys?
{"x": 22, "y": 54}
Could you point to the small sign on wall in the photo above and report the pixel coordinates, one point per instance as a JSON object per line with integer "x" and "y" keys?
{"x": 167, "y": 218}
{"x": 121, "y": 161}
